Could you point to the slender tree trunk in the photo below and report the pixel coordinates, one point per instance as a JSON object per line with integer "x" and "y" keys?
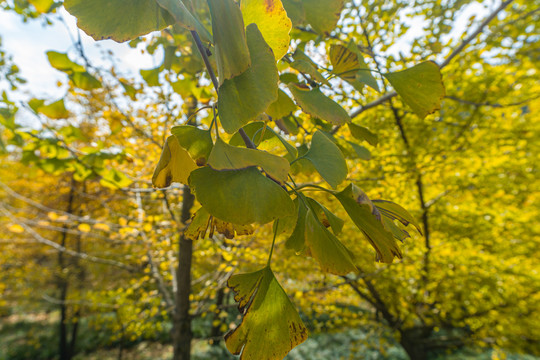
{"x": 63, "y": 348}
{"x": 215, "y": 333}
{"x": 182, "y": 334}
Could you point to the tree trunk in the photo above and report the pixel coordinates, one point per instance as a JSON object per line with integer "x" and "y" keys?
{"x": 181, "y": 333}
{"x": 414, "y": 342}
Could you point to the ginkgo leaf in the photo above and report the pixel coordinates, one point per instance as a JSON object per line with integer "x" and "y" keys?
{"x": 295, "y": 11}
{"x": 197, "y": 142}
{"x": 197, "y": 228}
{"x": 61, "y": 61}
{"x": 362, "y": 133}
{"x": 327, "y": 159}
{"x": 396, "y": 212}
{"x": 151, "y": 76}
{"x": 202, "y": 221}
{"x": 54, "y": 110}
{"x": 297, "y": 240}
{"x": 184, "y": 17}
{"x": 323, "y": 15}
{"x": 118, "y": 20}
{"x": 308, "y": 68}
{"x": 315, "y": 103}
{"x": 42, "y": 6}
{"x": 350, "y": 66}
{"x": 325, "y": 247}
{"x": 325, "y": 216}
{"x": 270, "y": 326}
{"x": 174, "y": 165}
{"x": 271, "y": 19}
{"x": 83, "y": 80}
{"x": 240, "y": 196}
{"x": 231, "y": 48}
{"x": 227, "y": 157}
{"x": 421, "y": 87}
{"x": 361, "y": 214}
{"x": 282, "y": 107}
{"x": 259, "y": 132}
{"x": 245, "y": 96}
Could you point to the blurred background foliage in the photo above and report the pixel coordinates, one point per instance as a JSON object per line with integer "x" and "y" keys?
{"x": 88, "y": 248}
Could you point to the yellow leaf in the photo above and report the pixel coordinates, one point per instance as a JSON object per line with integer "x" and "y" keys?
{"x": 174, "y": 165}
{"x": 16, "y": 228}
{"x": 102, "y": 227}
{"x": 84, "y": 228}
{"x": 272, "y": 21}
{"x": 52, "y": 215}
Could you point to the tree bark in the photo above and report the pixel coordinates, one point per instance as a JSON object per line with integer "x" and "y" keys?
{"x": 181, "y": 333}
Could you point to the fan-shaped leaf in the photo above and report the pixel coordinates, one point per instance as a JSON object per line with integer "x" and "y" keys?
{"x": 315, "y": 103}
{"x": 240, "y": 196}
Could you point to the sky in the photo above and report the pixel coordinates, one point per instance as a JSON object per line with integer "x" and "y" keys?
{"x": 28, "y": 42}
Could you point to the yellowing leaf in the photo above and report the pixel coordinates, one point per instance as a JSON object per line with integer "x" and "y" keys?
{"x": 421, "y": 87}
{"x": 240, "y": 196}
{"x": 282, "y": 107}
{"x": 271, "y": 19}
{"x": 350, "y": 66}
{"x": 361, "y": 214}
{"x": 102, "y": 227}
{"x": 271, "y": 326}
{"x": 16, "y": 228}
{"x": 84, "y": 228}
{"x": 52, "y": 215}
{"x": 174, "y": 165}
{"x": 227, "y": 157}
{"x": 55, "y": 110}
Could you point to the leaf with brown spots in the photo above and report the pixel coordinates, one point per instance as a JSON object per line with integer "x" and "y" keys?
{"x": 271, "y": 19}
{"x": 271, "y": 326}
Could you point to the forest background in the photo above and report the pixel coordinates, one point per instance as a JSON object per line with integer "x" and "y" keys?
{"x": 90, "y": 250}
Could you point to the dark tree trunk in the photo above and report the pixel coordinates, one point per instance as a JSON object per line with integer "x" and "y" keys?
{"x": 181, "y": 333}
{"x": 414, "y": 341}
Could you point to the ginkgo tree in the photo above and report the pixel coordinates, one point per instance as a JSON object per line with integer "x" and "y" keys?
{"x": 234, "y": 180}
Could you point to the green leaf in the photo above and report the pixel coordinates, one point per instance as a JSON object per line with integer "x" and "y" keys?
{"x": 184, "y": 17}
{"x": 315, "y": 103}
{"x": 330, "y": 253}
{"x": 297, "y": 240}
{"x": 85, "y": 81}
{"x": 244, "y": 97}
{"x": 240, "y": 196}
{"x": 151, "y": 76}
{"x": 282, "y": 107}
{"x": 362, "y": 133}
{"x": 197, "y": 142}
{"x": 308, "y": 68}
{"x": 118, "y": 20}
{"x": 271, "y": 19}
{"x": 421, "y": 87}
{"x": 130, "y": 90}
{"x": 360, "y": 151}
{"x": 323, "y": 15}
{"x": 350, "y": 66}
{"x": 227, "y": 157}
{"x": 113, "y": 179}
{"x": 325, "y": 216}
{"x": 55, "y": 110}
{"x": 174, "y": 165}
{"x": 394, "y": 211}
{"x": 231, "y": 48}
{"x": 270, "y": 326}
{"x": 258, "y": 132}
{"x": 327, "y": 159}
{"x": 61, "y": 61}
{"x": 295, "y": 11}
{"x": 361, "y": 214}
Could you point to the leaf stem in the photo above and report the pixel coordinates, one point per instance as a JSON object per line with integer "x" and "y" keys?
{"x": 314, "y": 186}
{"x": 273, "y": 243}
{"x": 204, "y": 55}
